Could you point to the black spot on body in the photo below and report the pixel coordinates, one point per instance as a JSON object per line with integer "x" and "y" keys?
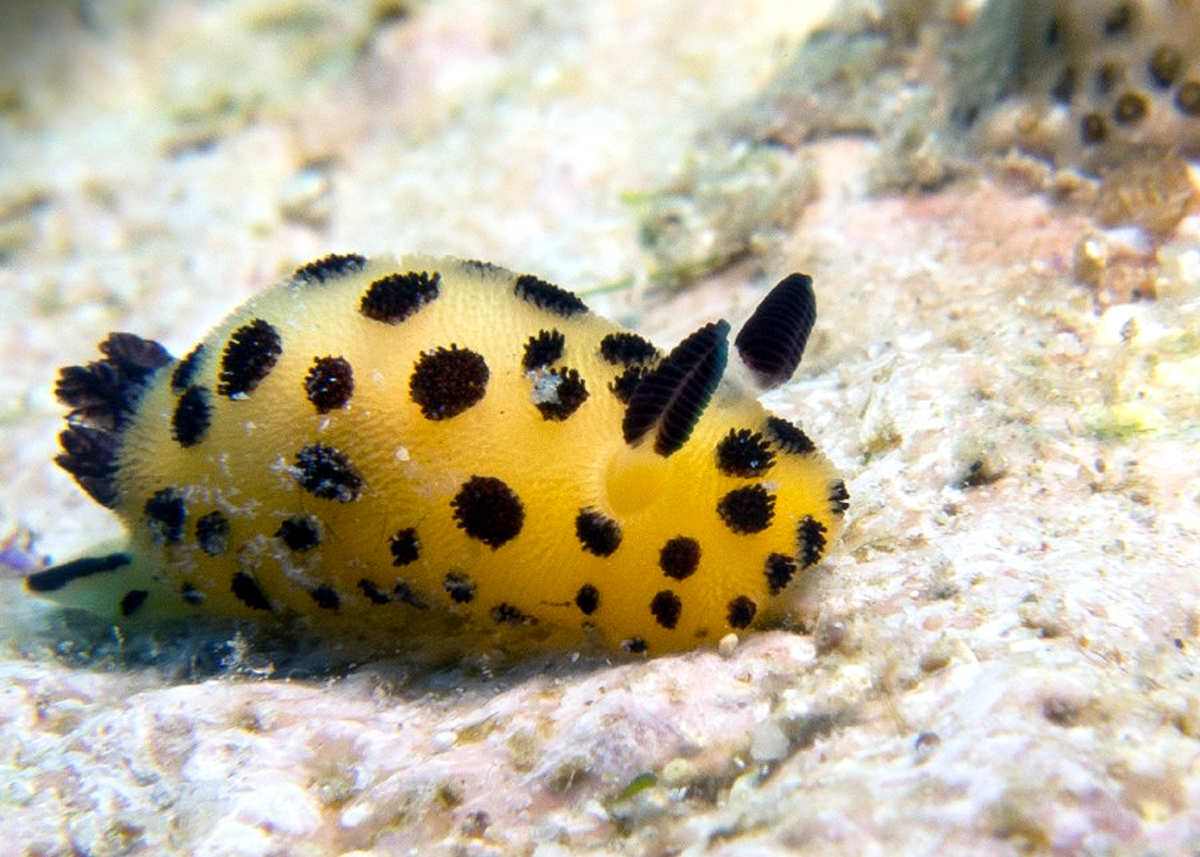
{"x": 165, "y": 514}
{"x": 185, "y": 370}
{"x": 543, "y": 349}
{"x": 780, "y": 570}
{"x": 627, "y": 349}
{"x": 741, "y": 612}
{"x": 406, "y": 594}
{"x": 1130, "y": 108}
{"x": 58, "y": 576}
{"x": 460, "y": 587}
{"x": 1187, "y": 99}
{"x": 672, "y": 397}
{"x": 247, "y": 590}
{"x": 1165, "y": 65}
{"x": 396, "y": 297}
{"x": 634, "y": 645}
{"x": 250, "y": 355}
{"x": 744, "y": 453}
{"x": 679, "y": 557}
{"x": 839, "y": 498}
{"x": 599, "y": 534}
{"x": 747, "y": 510}
{"x": 548, "y": 296}
{"x": 300, "y": 533}
{"x": 559, "y": 393}
{"x": 212, "y": 533}
{"x": 373, "y": 592}
{"x": 448, "y": 381}
{"x": 192, "y": 416}
{"x": 191, "y": 595}
{"x": 666, "y": 607}
{"x": 327, "y": 473}
{"x": 484, "y": 269}
{"x": 1093, "y": 129}
{"x": 507, "y": 614}
{"x": 488, "y": 510}
{"x": 133, "y": 599}
{"x": 771, "y": 342}
{"x": 789, "y": 438}
{"x": 404, "y": 547}
{"x": 624, "y": 384}
{"x": 810, "y": 540}
{"x": 326, "y": 597}
{"x": 587, "y": 599}
{"x": 331, "y": 267}
{"x": 330, "y": 384}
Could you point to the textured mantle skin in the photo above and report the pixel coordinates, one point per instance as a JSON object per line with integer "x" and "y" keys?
{"x": 999, "y": 660}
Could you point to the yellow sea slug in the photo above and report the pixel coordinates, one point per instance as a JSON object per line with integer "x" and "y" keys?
{"x": 440, "y": 447}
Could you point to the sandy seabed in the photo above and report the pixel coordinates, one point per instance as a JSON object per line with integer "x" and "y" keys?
{"x": 1000, "y": 656}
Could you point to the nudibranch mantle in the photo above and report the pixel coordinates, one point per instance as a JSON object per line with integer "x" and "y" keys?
{"x": 433, "y": 446}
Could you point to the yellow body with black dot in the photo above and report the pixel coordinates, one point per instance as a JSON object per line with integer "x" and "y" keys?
{"x": 438, "y": 447}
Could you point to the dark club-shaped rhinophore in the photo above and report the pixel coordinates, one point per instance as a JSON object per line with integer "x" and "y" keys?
{"x": 772, "y": 340}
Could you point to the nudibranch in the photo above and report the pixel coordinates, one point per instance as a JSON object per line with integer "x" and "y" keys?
{"x": 433, "y": 446}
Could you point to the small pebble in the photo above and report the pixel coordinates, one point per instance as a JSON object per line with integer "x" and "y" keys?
{"x": 769, "y": 744}
{"x": 925, "y": 745}
{"x": 678, "y": 772}
{"x": 727, "y": 645}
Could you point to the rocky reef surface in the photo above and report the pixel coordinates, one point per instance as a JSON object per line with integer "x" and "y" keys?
{"x": 1000, "y": 658}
